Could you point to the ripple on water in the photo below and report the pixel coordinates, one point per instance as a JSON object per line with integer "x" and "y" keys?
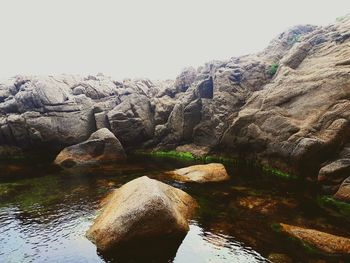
{"x": 54, "y": 230}
{"x": 200, "y": 246}
{"x": 38, "y": 240}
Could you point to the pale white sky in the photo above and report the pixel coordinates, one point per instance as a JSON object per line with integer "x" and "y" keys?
{"x": 143, "y": 38}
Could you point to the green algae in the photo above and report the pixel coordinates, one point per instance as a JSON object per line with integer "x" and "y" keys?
{"x": 334, "y": 207}
{"x": 267, "y": 170}
{"x": 7, "y": 189}
{"x": 31, "y": 193}
{"x": 188, "y": 156}
{"x": 174, "y": 154}
{"x": 278, "y": 173}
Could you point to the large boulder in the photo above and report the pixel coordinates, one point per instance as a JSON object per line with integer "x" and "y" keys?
{"x": 142, "y": 211}
{"x": 321, "y": 241}
{"x": 213, "y": 172}
{"x": 102, "y": 146}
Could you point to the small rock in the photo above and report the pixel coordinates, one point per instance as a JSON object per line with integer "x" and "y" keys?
{"x": 343, "y": 192}
{"x": 142, "y": 211}
{"x": 334, "y": 173}
{"x": 102, "y": 146}
{"x": 213, "y": 172}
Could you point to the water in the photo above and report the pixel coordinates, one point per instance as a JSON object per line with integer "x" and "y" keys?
{"x": 45, "y": 213}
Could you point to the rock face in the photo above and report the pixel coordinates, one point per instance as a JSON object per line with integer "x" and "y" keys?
{"x": 287, "y": 106}
{"x": 102, "y": 146}
{"x": 213, "y": 172}
{"x": 141, "y": 211}
{"x": 324, "y": 242}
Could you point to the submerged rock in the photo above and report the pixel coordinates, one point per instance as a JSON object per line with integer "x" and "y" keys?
{"x": 266, "y": 204}
{"x": 142, "y": 211}
{"x": 279, "y": 258}
{"x": 213, "y": 172}
{"x": 102, "y": 146}
{"x": 324, "y": 242}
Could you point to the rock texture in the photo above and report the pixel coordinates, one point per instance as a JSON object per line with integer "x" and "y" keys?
{"x": 343, "y": 192}
{"x": 288, "y": 106}
{"x": 142, "y": 211}
{"x": 213, "y": 172}
{"x": 102, "y": 146}
{"x": 324, "y": 242}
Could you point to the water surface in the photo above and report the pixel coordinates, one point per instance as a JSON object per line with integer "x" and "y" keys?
{"x": 45, "y": 213}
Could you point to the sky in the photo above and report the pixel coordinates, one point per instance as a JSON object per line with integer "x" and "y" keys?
{"x": 144, "y": 38}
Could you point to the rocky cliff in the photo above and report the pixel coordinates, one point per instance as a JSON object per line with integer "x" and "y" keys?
{"x": 288, "y": 105}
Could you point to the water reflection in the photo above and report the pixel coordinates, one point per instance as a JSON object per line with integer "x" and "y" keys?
{"x": 200, "y": 246}
{"x": 44, "y": 217}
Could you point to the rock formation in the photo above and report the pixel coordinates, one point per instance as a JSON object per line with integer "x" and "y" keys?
{"x": 141, "y": 211}
{"x": 288, "y": 106}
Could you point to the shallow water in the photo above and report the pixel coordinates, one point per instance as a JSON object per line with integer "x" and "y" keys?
{"x": 44, "y": 213}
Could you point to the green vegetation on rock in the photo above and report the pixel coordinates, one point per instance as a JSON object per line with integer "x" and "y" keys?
{"x": 188, "y": 156}
{"x": 272, "y": 69}
{"x": 335, "y": 207}
{"x": 174, "y": 154}
{"x": 218, "y": 159}
{"x": 278, "y": 173}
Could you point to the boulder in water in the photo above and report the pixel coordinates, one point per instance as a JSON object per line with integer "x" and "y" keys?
{"x": 212, "y": 172}
{"x": 102, "y": 146}
{"x": 324, "y": 242}
{"x": 141, "y": 212}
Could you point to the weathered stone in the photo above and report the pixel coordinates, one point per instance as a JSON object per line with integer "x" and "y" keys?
{"x": 343, "y": 192}
{"x": 142, "y": 211}
{"x": 324, "y": 242}
{"x": 185, "y": 79}
{"x": 132, "y": 120}
{"x": 334, "y": 173}
{"x": 196, "y": 150}
{"x": 213, "y": 172}
{"x": 102, "y": 146}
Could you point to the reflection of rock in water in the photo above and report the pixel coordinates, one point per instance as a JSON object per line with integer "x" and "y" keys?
{"x": 151, "y": 250}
